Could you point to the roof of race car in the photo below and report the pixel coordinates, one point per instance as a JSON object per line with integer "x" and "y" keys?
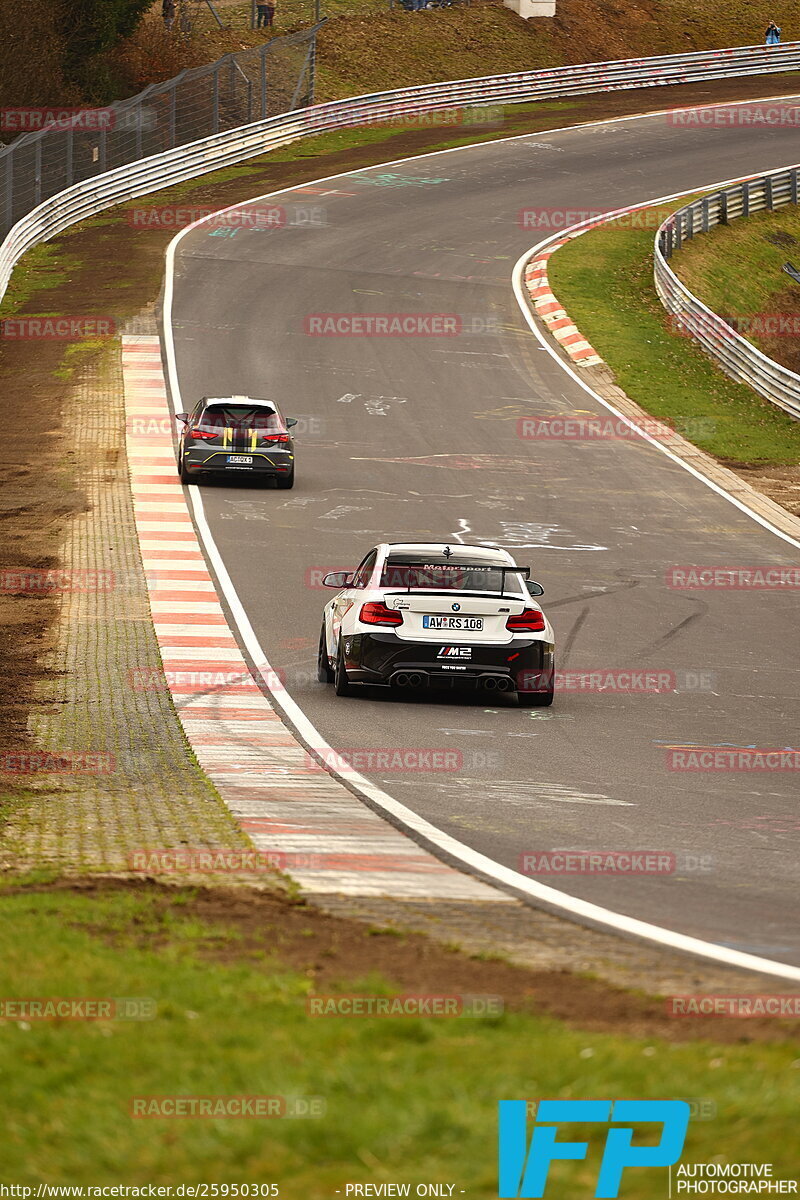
{"x": 240, "y": 400}
{"x": 491, "y": 555}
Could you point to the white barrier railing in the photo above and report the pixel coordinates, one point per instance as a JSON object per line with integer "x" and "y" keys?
{"x": 737, "y": 356}
{"x": 91, "y": 196}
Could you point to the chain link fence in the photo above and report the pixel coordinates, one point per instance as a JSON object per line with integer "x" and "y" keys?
{"x": 77, "y": 144}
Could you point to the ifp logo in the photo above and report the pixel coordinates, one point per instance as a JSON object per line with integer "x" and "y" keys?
{"x": 523, "y": 1172}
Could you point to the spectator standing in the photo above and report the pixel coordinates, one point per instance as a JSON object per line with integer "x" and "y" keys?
{"x": 273, "y": 4}
{"x": 168, "y": 12}
{"x": 773, "y": 34}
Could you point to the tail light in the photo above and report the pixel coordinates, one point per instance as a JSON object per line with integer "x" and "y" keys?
{"x": 275, "y": 437}
{"x": 530, "y": 620}
{"x": 206, "y": 434}
{"x": 376, "y": 613}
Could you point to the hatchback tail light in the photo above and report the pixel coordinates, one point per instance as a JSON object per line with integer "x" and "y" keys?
{"x": 376, "y": 613}
{"x": 206, "y": 434}
{"x": 530, "y": 620}
{"x": 275, "y": 437}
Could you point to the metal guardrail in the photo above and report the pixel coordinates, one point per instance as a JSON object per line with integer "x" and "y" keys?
{"x": 737, "y": 356}
{"x": 176, "y": 165}
{"x": 246, "y": 86}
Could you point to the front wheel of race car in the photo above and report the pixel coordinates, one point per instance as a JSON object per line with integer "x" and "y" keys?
{"x": 324, "y": 672}
{"x": 341, "y": 685}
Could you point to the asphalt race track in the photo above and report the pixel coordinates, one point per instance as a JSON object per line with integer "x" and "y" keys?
{"x": 415, "y": 438}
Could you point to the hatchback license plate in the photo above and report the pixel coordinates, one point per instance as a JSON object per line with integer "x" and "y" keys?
{"x": 472, "y": 623}
{"x": 240, "y": 460}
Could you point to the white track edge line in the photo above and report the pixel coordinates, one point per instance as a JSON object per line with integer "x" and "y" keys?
{"x": 473, "y": 859}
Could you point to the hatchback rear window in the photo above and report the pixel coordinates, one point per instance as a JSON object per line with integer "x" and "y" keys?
{"x": 242, "y": 416}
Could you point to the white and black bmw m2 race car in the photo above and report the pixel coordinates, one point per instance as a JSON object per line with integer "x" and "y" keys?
{"x": 429, "y": 615}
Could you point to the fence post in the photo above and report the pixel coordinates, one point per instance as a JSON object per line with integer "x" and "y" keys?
{"x": 706, "y": 210}
{"x": 139, "y": 120}
{"x": 215, "y": 117}
{"x": 690, "y": 223}
{"x": 252, "y": 14}
{"x": 768, "y": 201}
{"x": 69, "y": 155}
{"x": 312, "y": 64}
{"x": 263, "y": 73}
{"x": 723, "y": 208}
{"x": 9, "y": 188}
{"x": 37, "y": 171}
{"x": 745, "y": 199}
{"x": 793, "y": 185}
{"x": 173, "y": 116}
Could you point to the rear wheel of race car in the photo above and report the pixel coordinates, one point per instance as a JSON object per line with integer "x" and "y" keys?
{"x": 542, "y": 699}
{"x": 535, "y": 699}
{"x": 340, "y": 677}
{"x": 184, "y": 474}
{"x": 286, "y": 481}
{"x": 324, "y": 672}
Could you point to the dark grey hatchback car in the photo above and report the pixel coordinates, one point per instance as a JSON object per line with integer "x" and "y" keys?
{"x": 236, "y": 434}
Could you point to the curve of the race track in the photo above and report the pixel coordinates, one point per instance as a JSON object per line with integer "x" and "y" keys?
{"x": 412, "y": 438}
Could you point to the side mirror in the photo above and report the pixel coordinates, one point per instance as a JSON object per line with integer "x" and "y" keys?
{"x": 337, "y": 579}
{"x": 182, "y": 417}
{"x": 534, "y": 588}
{"x": 291, "y": 422}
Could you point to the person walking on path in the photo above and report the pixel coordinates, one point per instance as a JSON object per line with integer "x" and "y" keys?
{"x": 773, "y": 34}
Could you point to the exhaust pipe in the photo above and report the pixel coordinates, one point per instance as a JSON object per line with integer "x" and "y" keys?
{"x": 401, "y": 680}
{"x": 415, "y": 680}
{"x": 503, "y": 685}
{"x": 490, "y": 684}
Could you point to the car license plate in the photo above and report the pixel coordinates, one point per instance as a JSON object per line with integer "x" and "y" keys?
{"x": 240, "y": 460}
{"x": 452, "y": 622}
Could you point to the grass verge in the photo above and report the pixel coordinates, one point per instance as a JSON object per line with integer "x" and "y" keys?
{"x": 737, "y": 270}
{"x": 397, "y": 1091}
{"x": 605, "y": 282}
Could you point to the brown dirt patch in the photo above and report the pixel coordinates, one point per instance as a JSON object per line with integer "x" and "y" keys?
{"x": 337, "y": 952}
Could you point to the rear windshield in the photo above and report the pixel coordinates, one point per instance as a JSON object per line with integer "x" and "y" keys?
{"x": 458, "y": 577}
{"x": 242, "y": 416}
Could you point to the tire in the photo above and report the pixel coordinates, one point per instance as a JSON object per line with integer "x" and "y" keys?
{"x": 341, "y": 685}
{"x": 324, "y": 672}
{"x": 538, "y": 699}
{"x": 535, "y": 699}
{"x": 286, "y": 481}
{"x": 184, "y": 474}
